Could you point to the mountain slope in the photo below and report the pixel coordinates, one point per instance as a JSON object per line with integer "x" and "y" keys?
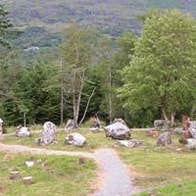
{"x": 111, "y": 16}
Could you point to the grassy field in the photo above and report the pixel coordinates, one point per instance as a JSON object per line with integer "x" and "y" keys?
{"x": 53, "y": 175}
{"x": 153, "y": 166}
{"x": 157, "y": 167}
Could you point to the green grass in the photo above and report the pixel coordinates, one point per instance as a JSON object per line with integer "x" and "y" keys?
{"x": 184, "y": 189}
{"x": 153, "y": 166}
{"x": 159, "y": 166}
{"x": 59, "y": 175}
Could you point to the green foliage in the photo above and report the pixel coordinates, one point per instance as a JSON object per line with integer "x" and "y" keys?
{"x": 5, "y": 26}
{"x": 161, "y": 74}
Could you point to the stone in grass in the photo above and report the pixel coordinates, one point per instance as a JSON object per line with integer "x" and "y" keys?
{"x": 14, "y": 175}
{"x": 191, "y": 144}
{"x": 118, "y": 131}
{"x": 164, "y": 139}
{"x": 28, "y": 180}
{"x": 23, "y": 131}
{"x": 75, "y": 139}
{"x": 82, "y": 160}
{"x": 130, "y": 143}
{"x": 48, "y": 134}
{"x": 29, "y": 164}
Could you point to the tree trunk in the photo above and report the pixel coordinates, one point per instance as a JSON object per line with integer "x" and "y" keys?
{"x": 110, "y": 94}
{"x": 80, "y": 95}
{"x": 62, "y": 95}
{"x": 25, "y": 121}
{"x": 173, "y": 119}
{"x": 164, "y": 114}
{"x": 74, "y": 99}
{"x": 87, "y": 105}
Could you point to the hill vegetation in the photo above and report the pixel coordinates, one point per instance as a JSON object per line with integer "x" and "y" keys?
{"x": 42, "y": 20}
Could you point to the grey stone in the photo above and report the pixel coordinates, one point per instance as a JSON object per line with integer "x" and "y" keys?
{"x": 161, "y": 124}
{"x": 191, "y": 144}
{"x": 192, "y": 129}
{"x": 131, "y": 143}
{"x": 75, "y": 139}
{"x": 23, "y": 131}
{"x": 164, "y": 139}
{"x": 48, "y": 134}
{"x": 117, "y": 130}
{"x": 28, "y": 180}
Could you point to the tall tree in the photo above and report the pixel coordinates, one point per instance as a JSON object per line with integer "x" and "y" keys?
{"x": 76, "y": 52}
{"x": 161, "y": 75}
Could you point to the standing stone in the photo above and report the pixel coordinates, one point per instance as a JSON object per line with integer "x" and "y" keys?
{"x": 23, "y": 131}
{"x": 1, "y": 127}
{"x": 48, "y": 134}
{"x": 164, "y": 139}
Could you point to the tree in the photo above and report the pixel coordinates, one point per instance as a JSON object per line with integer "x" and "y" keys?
{"x": 76, "y": 52}
{"x": 5, "y": 26}
{"x": 161, "y": 75}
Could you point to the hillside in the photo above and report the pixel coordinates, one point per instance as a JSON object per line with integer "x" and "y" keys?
{"x": 42, "y": 20}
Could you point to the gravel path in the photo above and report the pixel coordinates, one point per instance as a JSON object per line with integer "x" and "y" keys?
{"x": 113, "y": 175}
{"x": 116, "y": 179}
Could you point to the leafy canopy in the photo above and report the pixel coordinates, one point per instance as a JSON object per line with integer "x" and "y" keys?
{"x": 161, "y": 75}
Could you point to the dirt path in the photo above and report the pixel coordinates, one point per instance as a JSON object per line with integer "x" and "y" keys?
{"x": 25, "y": 149}
{"x": 113, "y": 175}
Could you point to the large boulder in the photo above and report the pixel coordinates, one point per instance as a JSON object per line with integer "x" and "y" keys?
{"x": 75, "y": 139}
{"x": 164, "y": 139}
{"x": 48, "y": 134}
{"x": 161, "y": 124}
{"x": 191, "y": 144}
{"x": 23, "y": 131}
{"x": 118, "y": 131}
{"x": 192, "y": 129}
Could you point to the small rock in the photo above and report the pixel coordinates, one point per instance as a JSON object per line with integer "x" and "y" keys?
{"x": 130, "y": 143}
{"x": 82, "y": 160}
{"x": 29, "y": 163}
{"x": 14, "y": 175}
{"x": 28, "y": 180}
{"x": 23, "y": 131}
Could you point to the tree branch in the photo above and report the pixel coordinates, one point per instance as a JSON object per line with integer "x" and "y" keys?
{"x": 87, "y": 105}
